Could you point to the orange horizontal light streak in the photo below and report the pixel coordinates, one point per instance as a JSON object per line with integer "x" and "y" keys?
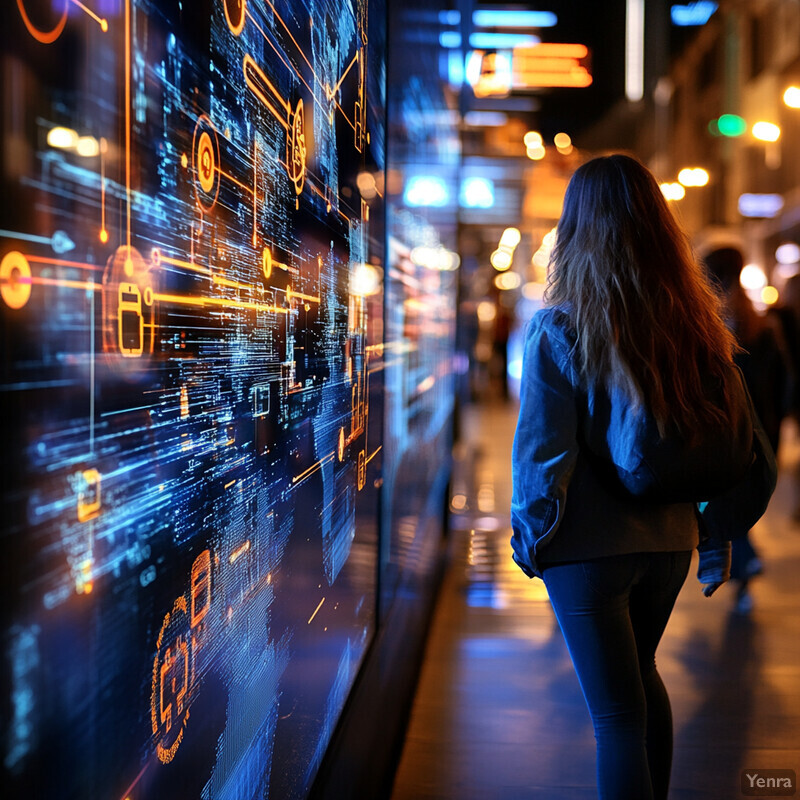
{"x": 552, "y": 50}
{"x": 218, "y": 301}
{"x": 60, "y": 262}
{"x": 553, "y": 79}
{"x": 239, "y": 552}
{"x": 249, "y": 66}
{"x": 290, "y": 293}
{"x": 176, "y": 262}
{"x": 96, "y": 287}
{"x": 180, "y": 299}
{"x": 548, "y": 65}
{"x": 230, "y": 483}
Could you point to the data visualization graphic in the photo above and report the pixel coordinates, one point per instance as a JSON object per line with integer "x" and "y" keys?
{"x": 191, "y": 297}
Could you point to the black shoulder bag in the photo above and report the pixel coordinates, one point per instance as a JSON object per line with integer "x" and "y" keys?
{"x": 731, "y": 514}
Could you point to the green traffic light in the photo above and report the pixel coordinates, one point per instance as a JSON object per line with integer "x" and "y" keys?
{"x": 731, "y": 125}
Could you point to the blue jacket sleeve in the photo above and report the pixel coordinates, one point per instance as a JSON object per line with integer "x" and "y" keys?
{"x": 545, "y": 443}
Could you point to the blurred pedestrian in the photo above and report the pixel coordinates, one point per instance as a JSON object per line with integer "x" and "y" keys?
{"x": 787, "y": 312}
{"x": 631, "y": 412}
{"x": 764, "y": 362}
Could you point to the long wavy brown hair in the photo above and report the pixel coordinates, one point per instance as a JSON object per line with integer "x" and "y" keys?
{"x": 645, "y": 316}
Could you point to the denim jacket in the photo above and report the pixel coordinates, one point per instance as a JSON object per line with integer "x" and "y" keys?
{"x": 629, "y": 490}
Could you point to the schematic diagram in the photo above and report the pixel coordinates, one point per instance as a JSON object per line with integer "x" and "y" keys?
{"x": 190, "y": 371}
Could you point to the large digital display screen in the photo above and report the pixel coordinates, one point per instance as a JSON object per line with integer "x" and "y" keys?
{"x": 191, "y": 310}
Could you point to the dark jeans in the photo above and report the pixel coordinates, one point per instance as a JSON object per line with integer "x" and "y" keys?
{"x": 612, "y": 612}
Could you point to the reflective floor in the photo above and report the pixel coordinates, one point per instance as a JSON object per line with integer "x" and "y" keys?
{"x": 499, "y": 713}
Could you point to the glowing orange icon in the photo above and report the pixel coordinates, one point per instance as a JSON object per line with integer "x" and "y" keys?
{"x": 174, "y": 682}
{"x": 89, "y": 499}
{"x": 130, "y": 322}
{"x": 169, "y": 697}
{"x": 234, "y": 15}
{"x": 340, "y": 448}
{"x": 296, "y": 149}
{"x": 205, "y": 153}
{"x": 15, "y": 279}
{"x": 266, "y": 262}
{"x": 205, "y": 162}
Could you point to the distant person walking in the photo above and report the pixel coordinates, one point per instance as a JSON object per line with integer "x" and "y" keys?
{"x": 764, "y": 362}
{"x": 787, "y": 312}
{"x": 632, "y": 411}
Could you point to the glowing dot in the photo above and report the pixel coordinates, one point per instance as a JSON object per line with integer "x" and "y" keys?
{"x": 769, "y": 295}
{"x": 104, "y": 25}
{"x": 87, "y": 587}
{"x": 365, "y": 280}
{"x": 104, "y": 236}
{"x": 693, "y": 176}
{"x": 672, "y": 191}
{"x": 562, "y": 140}
{"x": 766, "y": 131}
{"x": 752, "y": 277}
{"x": 184, "y": 161}
{"x": 63, "y": 138}
{"x": 500, "y": 260}
{"x": 792, "y": 97}
{"x": 532, "y": 139}
{"x": 511, "y": 237}
{"x": 787, "y": 253}
{"x": 731, "y": 125}
{"x": 129, "y": 267}
{"x": 87, "y": 146}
